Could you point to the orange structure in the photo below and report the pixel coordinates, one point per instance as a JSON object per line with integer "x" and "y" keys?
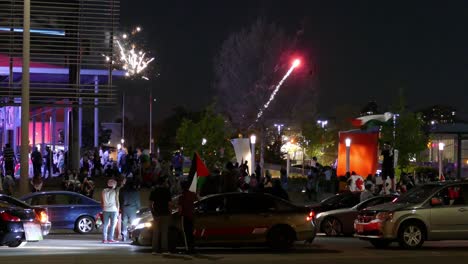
{"x": 363, "y": 152}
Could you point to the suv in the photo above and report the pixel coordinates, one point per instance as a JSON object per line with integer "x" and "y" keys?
{"x": 435, "y": 211}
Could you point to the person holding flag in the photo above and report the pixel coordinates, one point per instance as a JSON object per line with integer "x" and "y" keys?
{"x": 198, "y": 173}
{"x": 186, "y": 210}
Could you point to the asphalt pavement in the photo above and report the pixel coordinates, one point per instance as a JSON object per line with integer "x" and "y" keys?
{"x": 75, "y": 248}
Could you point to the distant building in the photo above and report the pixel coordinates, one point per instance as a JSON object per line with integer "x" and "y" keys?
{"x": 439, "y": 114}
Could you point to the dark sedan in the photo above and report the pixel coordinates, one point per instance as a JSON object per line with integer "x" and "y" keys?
{"x": 42, "y": 215}
{"x": 337, "y": 201}
{"x": 18, "y": 225}
{"x": 67, "y": 210}
{"x": 341, "y": 221}
{"x": 237, "y": 219}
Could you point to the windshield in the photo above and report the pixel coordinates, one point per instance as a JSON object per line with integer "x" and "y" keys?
{"x": 418, "y": 194}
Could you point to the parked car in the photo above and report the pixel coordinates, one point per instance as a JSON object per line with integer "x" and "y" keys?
{"x": 435, "y": 211}
{"x": 237, "y": 218}
{"x": 337, "y": 201}
{"x": 341, "y": 221}
{"x": 41, "y": 213}
{"x": 67, "y": 210}
{"x": 18, "y": 225}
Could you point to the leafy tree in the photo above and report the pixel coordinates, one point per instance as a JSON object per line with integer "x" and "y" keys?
{"x": 410, "y": 139}
{"x": 317, "y": 140}
{"x": 212, "y": 127}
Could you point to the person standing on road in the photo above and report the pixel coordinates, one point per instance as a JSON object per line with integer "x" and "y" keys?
{"x": 110, "y": 208}
{"x": 36, "y": 159}
{"x": 130, "y": 203}
{"x": 160, "y": 208}
{"x": 186, "y": 211}
{"x": 8, "y": 158}
{"x": 48, "y": 163}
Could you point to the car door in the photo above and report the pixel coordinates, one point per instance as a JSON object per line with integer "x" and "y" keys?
{"x": 449, "y": 216}
{"x": 250, "y": 216}
{"x": 210, "y": 214}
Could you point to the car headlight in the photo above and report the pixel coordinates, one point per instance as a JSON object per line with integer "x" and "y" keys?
{"x": 384, "y": 216}
{"x": 143, "y": 225}
{"x": 136, "y": 221}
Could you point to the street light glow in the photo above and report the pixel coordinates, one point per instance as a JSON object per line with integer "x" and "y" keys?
{"x": 203, "y": 142}
{"x": 296, "y": 63}
{"x": 441, "y": 146}
{"x": 253, "y": 139}
{"x": 348, "y": 142}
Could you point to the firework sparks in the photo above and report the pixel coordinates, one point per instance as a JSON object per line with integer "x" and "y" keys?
{"x": 295, "y": 64}
{"x": 130, "y": 58}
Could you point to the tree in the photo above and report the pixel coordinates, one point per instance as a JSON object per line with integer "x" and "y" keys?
{"x": 410, "y": 139}
{"x": 249, "y": 65}
{"x": 212, "y": 127}
{"x": 317, "y": 140}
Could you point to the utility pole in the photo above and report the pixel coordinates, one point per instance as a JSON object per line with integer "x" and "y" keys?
{"x": 24, "y": 151}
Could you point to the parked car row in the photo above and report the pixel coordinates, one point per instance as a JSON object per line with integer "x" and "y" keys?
{"x": 435, "y": 211}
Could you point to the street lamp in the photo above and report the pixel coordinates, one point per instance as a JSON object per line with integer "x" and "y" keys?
{"x": 441, "y": 150}
{"x": 253, "y": 139}
{"x": 279, "y": 126}
{"x": 119, "y": 146}
{"x": 203, "y": 142}
{"x": 348, "y": 146}
{"x": 322, "y": 123}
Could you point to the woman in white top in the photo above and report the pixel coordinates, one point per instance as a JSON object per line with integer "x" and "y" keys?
{"x": 110, "y": 208}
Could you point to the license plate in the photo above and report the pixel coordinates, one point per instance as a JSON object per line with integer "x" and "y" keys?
{"x": 32, "y": 231}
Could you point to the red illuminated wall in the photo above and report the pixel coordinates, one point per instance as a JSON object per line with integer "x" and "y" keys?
{"x": 47, "y": 136}
{"x": 363, "y": 152}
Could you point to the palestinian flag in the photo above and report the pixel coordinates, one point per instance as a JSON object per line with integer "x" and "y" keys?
{"x": 372, "y": 120}
{"x": 198, "y": 173}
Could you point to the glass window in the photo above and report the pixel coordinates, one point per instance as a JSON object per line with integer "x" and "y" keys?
{"x": 250, "y": 204}
{"x": 452, "y": 196}
{"x": 212, "y": 205}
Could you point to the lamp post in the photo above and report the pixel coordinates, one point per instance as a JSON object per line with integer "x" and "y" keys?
{"x": 441, "y": 150}
{"x": 279, "y": 126}
{"x": 253, "y": 139}
{"x": 322, "y": 123}
{"x": 348, "y": 146}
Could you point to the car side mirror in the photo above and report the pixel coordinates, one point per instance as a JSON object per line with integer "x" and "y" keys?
{"x": 436, "y": 201}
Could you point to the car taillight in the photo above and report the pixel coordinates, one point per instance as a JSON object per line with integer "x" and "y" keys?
{"x": 9, "y": 218}
{"x": 42, "y": 217}
{"x": 310, "y": 216}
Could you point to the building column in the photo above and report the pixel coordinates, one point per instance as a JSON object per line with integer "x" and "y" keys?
{"x": 54, "y": 128}
{"x": 459, "y": 155}
{"x": 5, "y": 130}
{"x": 33, "y": 131}
{"x": 80, "y": 123}
{"x": 43, "y": 130}
{"x": 96, "y": 112}
{"x": 66, "y": 128}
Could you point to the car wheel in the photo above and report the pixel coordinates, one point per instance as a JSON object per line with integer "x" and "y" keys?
{"x": 332, "y": 226}
{"x": 84, "y": 225}
{"x": 16, "y": 244}
{"x": 411, "y": 235}
{"x": 379, "y": 243}
{"x": 281, "y": 238}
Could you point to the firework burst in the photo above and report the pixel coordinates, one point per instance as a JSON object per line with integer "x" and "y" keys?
{"x": 130, "y": 57}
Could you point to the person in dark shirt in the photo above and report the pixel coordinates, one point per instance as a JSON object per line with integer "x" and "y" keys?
{"x": 36, "y": 159}
{"x": 9, "y": 158}
{"x": 160, "y": 208}
{"x": 186, "y": 211}
{"x": 48, "y": 163}
{"x": 277, "y": 190}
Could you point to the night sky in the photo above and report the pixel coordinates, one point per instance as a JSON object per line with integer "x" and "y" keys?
{"x": 362, "y": 50}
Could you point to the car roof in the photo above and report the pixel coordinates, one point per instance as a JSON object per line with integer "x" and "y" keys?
{"x": 56, "y": 192}
{"x": 239, "y": 194}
